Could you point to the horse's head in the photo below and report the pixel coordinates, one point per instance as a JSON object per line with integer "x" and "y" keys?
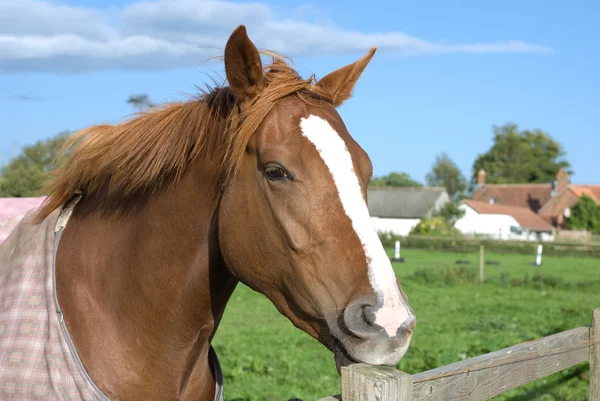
{"x": 294, "y": 223}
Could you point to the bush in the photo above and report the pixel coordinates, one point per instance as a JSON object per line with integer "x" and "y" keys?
{"x": 432, "y": 226}
{"x": 388, "y": 240}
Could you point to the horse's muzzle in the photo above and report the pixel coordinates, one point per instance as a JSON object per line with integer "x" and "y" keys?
{"x": 358, "y": 339}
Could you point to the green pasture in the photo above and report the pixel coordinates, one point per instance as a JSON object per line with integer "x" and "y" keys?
{"x": 264, "y": 357}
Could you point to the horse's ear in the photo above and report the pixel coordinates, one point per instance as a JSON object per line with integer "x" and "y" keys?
{"x": 339, "y": 84}
{"x": 243, "y": 65}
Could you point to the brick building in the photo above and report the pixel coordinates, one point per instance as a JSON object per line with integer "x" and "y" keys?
{"x": 551, "y": 201}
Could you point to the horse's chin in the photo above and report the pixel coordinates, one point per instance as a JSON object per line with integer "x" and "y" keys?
{"x": 341, "y": 357}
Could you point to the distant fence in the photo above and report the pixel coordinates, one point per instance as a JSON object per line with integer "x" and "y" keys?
{"x": 482, "y": 377}
{"x": 469, "y": 245}
{"x": 574, "y": 235}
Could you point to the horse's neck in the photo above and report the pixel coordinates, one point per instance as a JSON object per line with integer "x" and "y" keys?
{"x": 142, "y": 293}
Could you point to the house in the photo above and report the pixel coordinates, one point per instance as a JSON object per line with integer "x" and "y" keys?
{"x": 399, "y": 209}
{"x": 532, "y": 196}
{"x": 557, "y": 209}
{"x": 504, "y": 222}
{"x": 552, "y": 201}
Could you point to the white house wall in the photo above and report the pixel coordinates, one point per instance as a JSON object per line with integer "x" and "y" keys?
{"x": 395, "y": 226}
{"x": 494, "y": 226}
{"x": 491, "y": 225}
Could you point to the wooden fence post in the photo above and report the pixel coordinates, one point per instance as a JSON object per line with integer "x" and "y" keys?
{"x": 362, "y": 382}
{"x": 481, "y": 264}
{"x": 595, "y": 357}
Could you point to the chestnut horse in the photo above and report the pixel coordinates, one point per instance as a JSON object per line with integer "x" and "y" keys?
{"x": 258, "y": 182}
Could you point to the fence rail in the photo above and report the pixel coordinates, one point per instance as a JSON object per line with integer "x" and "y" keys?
{"x": 482, "y": 377}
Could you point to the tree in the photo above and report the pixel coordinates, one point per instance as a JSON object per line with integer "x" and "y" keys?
{"x": 445, "y": 173}
{"x": 140, "y": 102}
{"x": 585, "y": 215}
{"x": 395, "y": 179}
{"x": 450, "y": 213}
{"x": 27, "y": 174}
{"x": 529, "y": 156}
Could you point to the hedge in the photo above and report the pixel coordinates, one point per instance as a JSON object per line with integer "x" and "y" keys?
{"x": 469, "y": 245}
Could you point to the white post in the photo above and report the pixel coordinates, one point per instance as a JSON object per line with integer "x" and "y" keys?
{"x": 397, "y": 253}
{"x": 538, "y": 258}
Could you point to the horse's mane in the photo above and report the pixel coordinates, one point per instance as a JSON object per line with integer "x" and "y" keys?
{"x": 144, "y": 154}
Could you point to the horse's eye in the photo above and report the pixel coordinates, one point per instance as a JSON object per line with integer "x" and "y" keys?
{"x": 275, "y": 173}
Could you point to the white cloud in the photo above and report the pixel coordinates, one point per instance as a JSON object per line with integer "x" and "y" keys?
{"x": 44, "y": 36}
{"x": 34, "y": 17}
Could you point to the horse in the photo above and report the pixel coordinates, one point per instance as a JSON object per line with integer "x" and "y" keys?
{"x": 151, "y": 223}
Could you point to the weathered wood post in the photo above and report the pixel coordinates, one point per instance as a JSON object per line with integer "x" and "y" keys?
{"x": 481, "y": 264}
{"x": 362, "y": 382}
{"x": 595, "y": 357}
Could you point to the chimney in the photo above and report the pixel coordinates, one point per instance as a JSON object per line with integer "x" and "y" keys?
{"x": 481, "y": 178}
{"x": 562, "y": 180}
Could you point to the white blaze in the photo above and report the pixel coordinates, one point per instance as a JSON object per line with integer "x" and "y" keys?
{"x": 333, "y": 151}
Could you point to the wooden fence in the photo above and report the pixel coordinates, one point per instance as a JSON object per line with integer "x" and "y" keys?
{"x": 482, "y": 377}
{"x": 471, "y": 245}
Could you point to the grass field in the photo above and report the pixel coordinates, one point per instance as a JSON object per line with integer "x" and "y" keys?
{"x": 265, "y": 358}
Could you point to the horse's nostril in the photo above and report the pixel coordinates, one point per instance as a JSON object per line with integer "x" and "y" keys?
{"x": 360, "y": 320}
{"x": 368, "y": 313}
{"x": 409, "y": 326}
{"x": 372, "y": 333}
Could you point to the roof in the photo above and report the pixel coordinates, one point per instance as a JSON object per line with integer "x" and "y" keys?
{"x": 532, "y": 196}
{"x": 593, "y": 191}
{"x": 569, "y": 197}
{"x": 403, "y": 202}
{"x": 11, "y": 207}
{"x": 524, "y": 216}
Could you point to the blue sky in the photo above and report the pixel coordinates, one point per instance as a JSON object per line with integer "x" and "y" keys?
{"x": 445, "y": 71}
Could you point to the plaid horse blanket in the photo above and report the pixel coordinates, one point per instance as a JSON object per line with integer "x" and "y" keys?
{"x": 38, "y": 361}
